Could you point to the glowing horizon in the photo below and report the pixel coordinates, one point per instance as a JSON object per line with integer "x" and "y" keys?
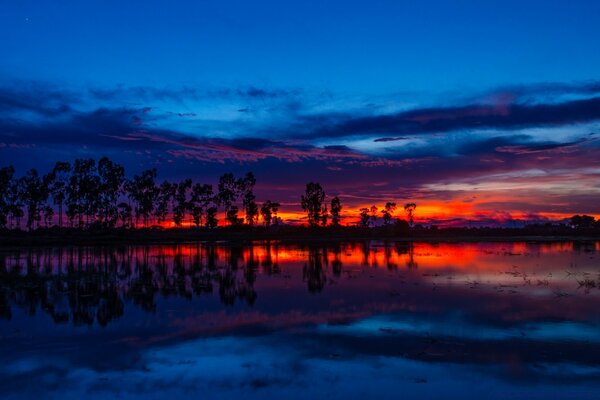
{"x": 393, "y": 103}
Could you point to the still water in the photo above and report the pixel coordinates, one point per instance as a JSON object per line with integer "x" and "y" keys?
{"x": 335, "y": 320}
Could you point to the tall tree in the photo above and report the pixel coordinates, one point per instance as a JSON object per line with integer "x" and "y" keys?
{"x": 373, "y": 215}
{"x": 143, "y": 191}
{"x": 48, "y": 213}
{"x": 112, "y": 179}
{"x": 410, "y": 212}
{"x": 166, "y": 194}
{"x": 59, "y": 181}
{"x": 125, "y": 215}
{"x": 14, "y": 201}
{"x": 181, "y": 201}
{"x": 82, "y": 191}
{"x": 335, "y": 210}
{"x": 312, "y": 201}
{"x": 388, "y": 212}
{"x": 268, "y": 211}
{"x": 202, "y": 196}
{"x": 227, "y": 195}
{"x": 364, "y": 217}
{"x": 211, "y": 217}
{"x": 35, "y": 194}
{"x": 248, "y": 198}
{"x": 6, "y": 179}
{"x": 324, "y": 215}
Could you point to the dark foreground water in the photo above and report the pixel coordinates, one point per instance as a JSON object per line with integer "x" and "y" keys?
{"x": 345, "y": 320}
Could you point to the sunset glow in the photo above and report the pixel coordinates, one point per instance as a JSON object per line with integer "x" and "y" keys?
{"x": 399, "y": 105}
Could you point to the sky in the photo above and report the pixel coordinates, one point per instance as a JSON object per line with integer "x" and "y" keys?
{"x": 479, "y": 112}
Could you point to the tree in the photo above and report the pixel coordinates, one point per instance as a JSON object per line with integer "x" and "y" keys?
{"x": 111, "y": 178}
{"x": 35, "y": 193}
{"x": 166, "y": 193}
{"x": 48, "y": 212}
{"x": 211, "y": 217}
{"x": 246, "y": 186}
{"x": 125, "y": 215}
{"x": 6, "y": 178}
{"x": 58, "y": 184}
{"x": 324, "y": 215}
{"x": 143, "y": 191}
{"x": 268, "y": 211}
{"x": 410, "y": 212}
{"x": 364, "y": 217}
{"x": 227, "y": 195}
{"x": 202, "y": 196}
{"x": 83, "y": 191}
{"x": 14, "y": 201}
{"x": 231, "y": 216}
{"x": 335, "y": 210}
{"x": 182, "y": 203}
{"x": 373, "y": 215}
{"x": 388, "y": 212}
{"x": 312, "y": 201}
{"x": 582, "y": 221}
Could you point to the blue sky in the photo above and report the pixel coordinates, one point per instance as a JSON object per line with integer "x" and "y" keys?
{"x": 364, "y": 48}
{"x": 423, "y": 95}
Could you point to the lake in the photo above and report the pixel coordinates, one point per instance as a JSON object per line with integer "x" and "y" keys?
{"x": 299, "y": 321}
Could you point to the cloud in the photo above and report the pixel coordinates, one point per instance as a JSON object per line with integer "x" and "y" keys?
{"x": 187, "y": 93}
{"x": 35, "y": 98}
{"x": 449, "y": 119}
{"x": 417, "y": 152}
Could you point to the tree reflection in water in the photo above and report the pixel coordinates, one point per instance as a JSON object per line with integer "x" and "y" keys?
{"x": 88, "y": 285}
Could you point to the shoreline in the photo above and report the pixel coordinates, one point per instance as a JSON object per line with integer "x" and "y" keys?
{"x": 69, "y": 237}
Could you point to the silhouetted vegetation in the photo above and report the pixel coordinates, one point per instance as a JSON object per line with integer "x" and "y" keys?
{"x": 87, "y": 201}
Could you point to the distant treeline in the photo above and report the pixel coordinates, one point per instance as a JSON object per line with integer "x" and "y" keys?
{"x": 87, "y": 193}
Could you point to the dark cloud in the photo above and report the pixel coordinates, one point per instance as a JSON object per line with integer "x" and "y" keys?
{"x": 530, "y": 92}
{"x": 181, "y": 144}
{"x": 187, "y": 93}
{"x": 448, "y": 119}
{"x": 35, "y": 98}
{"x": 391, "y": 139}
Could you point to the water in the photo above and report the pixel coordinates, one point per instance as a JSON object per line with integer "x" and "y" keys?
{"x": 336, "y": 320}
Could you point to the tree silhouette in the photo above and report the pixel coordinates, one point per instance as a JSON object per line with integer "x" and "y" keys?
{"x": 388, "y": 212}
{"x": 364, "y": 217}
{"x": 335, "y": 210}
{"x": 268, "y": 210}
{"x": 35, "y": 193}
{"x": 324, "y": 215}
{"x": 211, "y": 217}
{"x": 125, "y": 214}
{"x": 112, "y": 179}
{"x": 82, "y": 191}
{"x": 202, "y": 196}
{"x": 143, "y": 191}
{"x": 312, "y": 202}
{"x": 227, "y": 195}
{"x": 410, "y": 212}
{"x": 14, "y": 201}
{"x": 166, "y": 194}
{"x": 582, "y": 221}
{"x": 58, "y": 184}
{"x": 48, "y": 213}
{"x": 181, "y": 201}
{"x": 6, "y": 177}
{"x": 373, "y": 215}
{"x": 249, "y": 199}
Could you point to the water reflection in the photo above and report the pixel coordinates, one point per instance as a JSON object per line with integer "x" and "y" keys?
{"x": 87, "y": 285}
{"x": 513, "y": 316}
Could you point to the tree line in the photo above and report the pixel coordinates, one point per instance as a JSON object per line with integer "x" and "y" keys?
{"x": 89, "y": 193}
